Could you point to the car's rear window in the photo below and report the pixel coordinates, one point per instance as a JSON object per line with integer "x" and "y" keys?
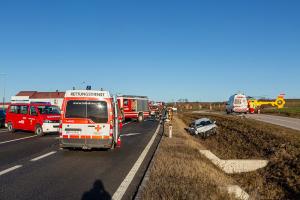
{"x": 97, "y": 111}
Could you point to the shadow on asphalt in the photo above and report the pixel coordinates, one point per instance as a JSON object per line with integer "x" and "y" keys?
{"x": 24, "y": 132}
{"x": 98, "y": 192}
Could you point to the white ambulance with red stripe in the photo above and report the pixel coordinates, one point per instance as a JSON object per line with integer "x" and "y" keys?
{"x": 237, "y": 103}
{"x": 89, "y": 119}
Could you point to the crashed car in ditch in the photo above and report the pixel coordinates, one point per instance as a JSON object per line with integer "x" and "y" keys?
{"x": 203, "y": 127}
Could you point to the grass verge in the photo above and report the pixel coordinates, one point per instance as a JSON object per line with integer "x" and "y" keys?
{"x": 240, "y": 138}
{"x": 285, "y": 112}
{"x": 180, "y": 172}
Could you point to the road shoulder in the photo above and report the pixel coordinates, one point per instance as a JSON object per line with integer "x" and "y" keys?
{"x": 180, "y": 172}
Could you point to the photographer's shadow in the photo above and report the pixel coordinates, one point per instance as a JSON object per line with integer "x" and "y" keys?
{"x": 98, "y": 192}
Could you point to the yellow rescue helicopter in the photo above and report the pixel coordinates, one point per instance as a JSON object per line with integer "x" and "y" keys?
{"x": 254, "y": 103}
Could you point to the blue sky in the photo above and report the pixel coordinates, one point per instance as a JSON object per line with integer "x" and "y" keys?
{"x": 199, "y": 50}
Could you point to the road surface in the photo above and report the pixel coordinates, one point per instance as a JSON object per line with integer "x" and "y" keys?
{"x": 289, "y": 122}
{"x": 35, "y": 168}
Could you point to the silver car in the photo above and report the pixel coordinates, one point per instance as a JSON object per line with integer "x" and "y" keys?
{"x": 203, "y": 127}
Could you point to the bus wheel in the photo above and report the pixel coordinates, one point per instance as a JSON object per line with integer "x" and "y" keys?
{"x": 10, "y": 127}
{"x": 141, "y": 117}
{"x": 39, "y": 130}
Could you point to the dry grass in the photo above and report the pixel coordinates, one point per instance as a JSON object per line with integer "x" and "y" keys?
{"x": 240, "y": 138}
{"x": 180, "y": 172}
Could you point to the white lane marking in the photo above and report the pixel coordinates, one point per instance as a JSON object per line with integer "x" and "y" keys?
{"x": 3, "y": 130}
{"x": 18, "y": 139}
{"x": 43, "y": 156}
{"x": 10, "y": 169}
{"x": 126, "y": 182}
{"x": 130, "y": 134}
{"x": 127, "y": 123}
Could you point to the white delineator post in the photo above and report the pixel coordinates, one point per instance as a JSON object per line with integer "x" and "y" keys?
{"x": 170, "y": 130}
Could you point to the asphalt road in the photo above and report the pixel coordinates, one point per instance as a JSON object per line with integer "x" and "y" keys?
{"x": 278, "y": 120}
{"x": 35, "y": 167}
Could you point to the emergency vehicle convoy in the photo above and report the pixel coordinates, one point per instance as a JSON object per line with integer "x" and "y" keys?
{"x": 38, "y": 117}
{"x": 134, "y": 107}
{"x": 89, "y": 120}
{"x": 156, "y": 108}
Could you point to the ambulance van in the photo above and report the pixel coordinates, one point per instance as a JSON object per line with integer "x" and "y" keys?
{"x": 237, "y": 104}
{"x": 89, "y": 120}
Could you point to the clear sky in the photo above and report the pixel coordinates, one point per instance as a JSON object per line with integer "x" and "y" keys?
{"x": 199, "y": 50}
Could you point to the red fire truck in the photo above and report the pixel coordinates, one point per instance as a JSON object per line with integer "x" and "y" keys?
{"x": 134, "y": 107}
{"x": 155, "y": 108}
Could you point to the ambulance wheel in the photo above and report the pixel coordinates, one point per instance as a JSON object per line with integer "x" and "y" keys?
{"x": 39, "y": 130}
{"x": 10, "y": 127}
{"x": 140, "y": 117}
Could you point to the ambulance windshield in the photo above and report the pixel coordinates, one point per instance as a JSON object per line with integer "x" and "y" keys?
{"x": 94, "y": 110}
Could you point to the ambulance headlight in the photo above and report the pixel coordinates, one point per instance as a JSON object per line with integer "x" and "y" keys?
{"x": 47, "y": 121}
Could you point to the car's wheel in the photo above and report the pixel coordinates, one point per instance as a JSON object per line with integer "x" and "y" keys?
{"x": 10, "y": 127}
{"x": 140, "y": 117}
{"x": 39, "y": 130}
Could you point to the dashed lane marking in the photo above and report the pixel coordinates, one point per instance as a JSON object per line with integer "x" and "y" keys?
{"x": 23, "y": 138}
{"x": 130, "y": 134}
{"x": 10, "y": 169}
{"x": 127, "y": 123}
{"x": 43, "y": 156}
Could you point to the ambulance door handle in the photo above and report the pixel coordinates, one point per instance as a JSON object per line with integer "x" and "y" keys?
{"x": 91, "y": 126}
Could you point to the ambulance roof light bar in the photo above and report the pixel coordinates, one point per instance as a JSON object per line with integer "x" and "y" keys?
{"x": 87, "y": 93}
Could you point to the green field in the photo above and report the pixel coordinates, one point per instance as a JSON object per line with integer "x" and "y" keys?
{"x": 291, "y": 109}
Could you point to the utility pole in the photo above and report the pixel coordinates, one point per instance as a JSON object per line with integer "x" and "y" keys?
{"x": 4, "y": 76}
